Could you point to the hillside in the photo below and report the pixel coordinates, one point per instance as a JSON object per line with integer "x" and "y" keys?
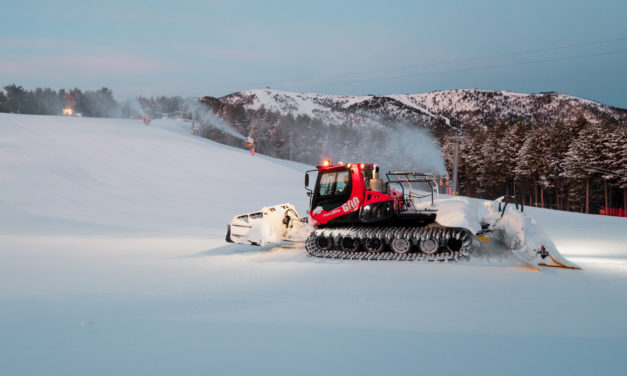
{"x": 459, "y": 108}
{"x": 113, "y": 262}
{"x": 545, "y": 146}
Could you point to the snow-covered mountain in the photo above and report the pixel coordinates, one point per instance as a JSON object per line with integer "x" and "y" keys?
{"x": 465, "y": 108}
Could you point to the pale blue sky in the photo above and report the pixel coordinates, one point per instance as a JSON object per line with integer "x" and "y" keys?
{"x": 194, "y": 48}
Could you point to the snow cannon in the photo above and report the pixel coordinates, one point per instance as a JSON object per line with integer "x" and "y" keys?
{"x": 250, "y": 145}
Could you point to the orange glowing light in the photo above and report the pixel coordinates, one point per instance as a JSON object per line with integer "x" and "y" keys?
{"x": 326, "y": 163}
{"x": 68, "y": 111}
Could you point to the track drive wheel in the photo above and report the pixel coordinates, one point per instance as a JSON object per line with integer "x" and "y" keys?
{"x": 349, "y": 244}
{"x": 400, "y": 245}
{"x": 373, "y": 245}
{"x": 324, "y": 242}
{"x": 428, "y": 246}
{"x": 454, "y": 245}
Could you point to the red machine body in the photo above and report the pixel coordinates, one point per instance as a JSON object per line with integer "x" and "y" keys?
{"x": 354, "y": 194}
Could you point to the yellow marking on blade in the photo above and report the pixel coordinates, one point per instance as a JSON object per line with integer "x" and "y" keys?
{"x": 530, "y": 268}
{"x": 484, "y": 239}
{"x": 559, "y": 264}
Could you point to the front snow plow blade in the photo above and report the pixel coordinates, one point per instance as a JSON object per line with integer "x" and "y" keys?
{"x": 272, "y": 224}
{"x": 507, "y": 223}
{"x": 501, "y": 226}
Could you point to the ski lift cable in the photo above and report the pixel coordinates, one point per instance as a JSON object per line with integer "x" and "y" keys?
{"x": 487, "y": 67}
{"x": 424, "y": 65}
{"x": 464, "y": 60}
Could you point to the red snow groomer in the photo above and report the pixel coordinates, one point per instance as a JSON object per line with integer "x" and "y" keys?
{"x": 353, "y": 214}
{"x": 357, "y": 215}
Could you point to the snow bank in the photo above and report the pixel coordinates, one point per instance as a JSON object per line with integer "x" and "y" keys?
{"x": 459, "y": 212}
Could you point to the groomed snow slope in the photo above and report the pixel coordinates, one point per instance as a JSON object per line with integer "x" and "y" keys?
{"x": 112, "y": 261}
{"x": 68, "y": 174}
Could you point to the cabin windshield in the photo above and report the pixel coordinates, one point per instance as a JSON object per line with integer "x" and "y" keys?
{"x": 334, "y": 183}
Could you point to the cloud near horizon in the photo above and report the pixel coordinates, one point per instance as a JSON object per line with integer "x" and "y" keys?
{"x": 82, "y": 66}
{"x": 69, "y": 58}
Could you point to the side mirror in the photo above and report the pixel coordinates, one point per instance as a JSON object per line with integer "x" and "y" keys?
{"x": 306, "y": 180}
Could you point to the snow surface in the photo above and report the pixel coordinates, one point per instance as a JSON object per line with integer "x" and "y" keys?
{"x": 410, "y": 101}
{"x": 113, "y": 262}
{"x": 302, "y": 103}
{"x": 285, "y": 102}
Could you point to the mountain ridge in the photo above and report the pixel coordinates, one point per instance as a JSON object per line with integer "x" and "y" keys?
{"x": 458, "y": 108}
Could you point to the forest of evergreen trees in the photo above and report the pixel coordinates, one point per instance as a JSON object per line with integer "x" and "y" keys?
{"x": 576, "y": 166}
{"x": 90, "y": 103}
{"x": 98, "y": 103}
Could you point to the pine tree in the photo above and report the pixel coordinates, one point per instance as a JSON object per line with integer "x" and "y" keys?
{"x": 533, "y": 163}
{"x": 3, "y": 102}
{"x": 492, "y": 179}
{"x": 623, "y": 174}
{"x": 616, "y": 164}
{"x": 510, "y": 145}
{"x": 16, "y": 99}
{"x": 584, "y": 159}
{"x": 559, "y": 140}
{"x": 610, "y": 165}
{"x": 470, "y": 164}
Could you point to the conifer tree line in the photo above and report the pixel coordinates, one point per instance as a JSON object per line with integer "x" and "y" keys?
{"x": 90, "y": 103}
{"x": 576, "y": 166}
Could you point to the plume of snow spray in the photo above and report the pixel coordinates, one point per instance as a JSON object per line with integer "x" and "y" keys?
{"x": 134, "y": 107}
{"x": 204, "y": 115}
{"x": 396, "y": 148}
{"x": 414, "y": 149}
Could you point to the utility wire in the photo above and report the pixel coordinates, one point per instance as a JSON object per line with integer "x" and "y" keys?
{"x": 487, "y": 67}
{"x": 424, "y": 65}
{"x": 465, "y": 60}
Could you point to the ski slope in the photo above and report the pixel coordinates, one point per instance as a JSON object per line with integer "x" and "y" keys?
{"x": 113, "y": 262}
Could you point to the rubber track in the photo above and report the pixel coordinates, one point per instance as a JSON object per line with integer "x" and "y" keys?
{"x": 386, "y": 234}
